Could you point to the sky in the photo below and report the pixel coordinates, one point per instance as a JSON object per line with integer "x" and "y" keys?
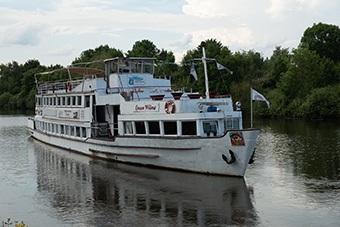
{"x": 56, "y": 32}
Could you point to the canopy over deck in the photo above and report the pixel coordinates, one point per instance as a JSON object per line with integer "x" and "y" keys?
{"x": 78, "y": 70}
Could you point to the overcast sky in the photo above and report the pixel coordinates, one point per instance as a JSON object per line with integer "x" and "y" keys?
{"x": 56, "y": 32}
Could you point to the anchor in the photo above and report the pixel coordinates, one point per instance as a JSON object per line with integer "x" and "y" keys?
{"x": 251, "y": 160}
{"x": 232, "y": 157}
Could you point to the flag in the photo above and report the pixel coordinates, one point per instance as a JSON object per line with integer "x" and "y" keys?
{"x": 255, "y": 95}
{"x": 193, "y": 72}
{"x": 219, "y": 67}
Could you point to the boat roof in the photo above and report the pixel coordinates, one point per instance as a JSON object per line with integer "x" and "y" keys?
{"x": 78, "y": 70}
{"x": 129, "y": 58}
{"x": 92, "y": 71}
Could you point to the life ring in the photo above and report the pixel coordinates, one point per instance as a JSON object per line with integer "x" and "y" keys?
{"x": 69, "y": 86}
{"x": 172, "y": 106}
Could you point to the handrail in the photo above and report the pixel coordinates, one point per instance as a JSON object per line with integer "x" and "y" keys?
{"x": 102, "y": 130}
{"x": 52, "y": 87}
{"x": 121, "y": 84}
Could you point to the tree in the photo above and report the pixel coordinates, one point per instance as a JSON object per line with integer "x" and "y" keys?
{"x": 99, "y": 53}
{"x": 166, "y": 64}
{"x": 322, "y": 103}
{"x": 4, "y": 100}
{"x": 241, "y": 93}
{"x": 31, "y": 67}
{"x": 218, "y": 80}
{"x": 307, "y": 71}
{"x": 277, "y": 65}
{"x": 300, "y": 77}
{"x": 10, "y": 78}
{"x": 324, "y": 39}
{"x": 144, "y": 48}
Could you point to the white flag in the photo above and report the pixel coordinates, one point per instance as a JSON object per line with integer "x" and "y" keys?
{"x": 219, "y": 67}
{"x": 193, "y": 72}
{"x": 255, "y": 95}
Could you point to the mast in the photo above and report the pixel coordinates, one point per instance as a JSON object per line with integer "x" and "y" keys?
{"x": 204, "y": 60}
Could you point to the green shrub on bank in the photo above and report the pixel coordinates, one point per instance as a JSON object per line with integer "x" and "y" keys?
{"x": 293, "y": 109}
{"x": 322, "y": 103}
{"x": 10, "y": 223}
{"x": 277, "y": 104}
{"x": 4, "y": 100}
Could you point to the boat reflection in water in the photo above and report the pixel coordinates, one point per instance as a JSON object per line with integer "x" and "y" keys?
{"x": 79, "y": 190}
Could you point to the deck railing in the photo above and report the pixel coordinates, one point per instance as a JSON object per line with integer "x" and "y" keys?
{"x": 48, "y": 87}
{"x": 104, "y": 130}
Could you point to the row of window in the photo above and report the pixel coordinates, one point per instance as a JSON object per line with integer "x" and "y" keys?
{"x": 63, "y": 101}
{"x": 60, "y": 129}
{"x": 152, "y": 128}
{"x": 164, "y": 128}
{"x": 179, "y": 128}
{"x": 132, "y": 66}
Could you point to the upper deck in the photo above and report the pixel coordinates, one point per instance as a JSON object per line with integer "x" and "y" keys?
{"x": 121, "y": 75}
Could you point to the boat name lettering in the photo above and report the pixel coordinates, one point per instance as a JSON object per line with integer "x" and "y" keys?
{"x": 136, "y": 80}
{"x": 147, "y": 107}
{"x": 69, "y": 114}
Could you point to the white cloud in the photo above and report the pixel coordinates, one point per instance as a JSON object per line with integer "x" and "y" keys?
{"x": 205, "y": 9}
{"x": 310, "y": 3}
{"x": 282, "y": 9}
{"x": 23, "y": 34}
{"x": 180, "y": 46}
{"x": 83, "y": 24}
{"x": 184, "y": 42}
{"x": 63, "y": 51}
{"x": 279, "y": 8}
{"x": 238, "y": 37}
{"x": 225, "y": 9}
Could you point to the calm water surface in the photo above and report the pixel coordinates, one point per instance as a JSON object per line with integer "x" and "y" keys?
{"x": 295, "y": 181}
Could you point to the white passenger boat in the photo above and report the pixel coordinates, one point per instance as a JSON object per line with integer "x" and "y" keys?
{"x": 125, "y": 113}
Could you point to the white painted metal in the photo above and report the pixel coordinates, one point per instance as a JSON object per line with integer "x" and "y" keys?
{"x": 71, "y": 118}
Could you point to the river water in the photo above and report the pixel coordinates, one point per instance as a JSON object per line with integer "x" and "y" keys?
{"x": 295, "y": 181}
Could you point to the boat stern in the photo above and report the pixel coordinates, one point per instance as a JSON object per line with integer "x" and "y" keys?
{"x": 30, "y": 125}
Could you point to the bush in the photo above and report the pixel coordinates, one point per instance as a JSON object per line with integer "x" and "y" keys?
{"x": 10, "y": 223}
{"x": 322, "y": 103}
{"x": 277, "y": 103}
{"x": 4, "y": 100}
{"x": 241, "y": 92}
{"x": 30, "y": 100}
{"x": 295, "y": 108}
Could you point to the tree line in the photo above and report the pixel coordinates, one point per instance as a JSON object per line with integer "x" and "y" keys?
{"x": 302, "y": 83}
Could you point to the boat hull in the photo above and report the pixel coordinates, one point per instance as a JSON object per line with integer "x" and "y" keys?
{"x": 196, "y": 154}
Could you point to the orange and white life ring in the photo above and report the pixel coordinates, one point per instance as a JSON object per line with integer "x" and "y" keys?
{"x": 167, "y": 110}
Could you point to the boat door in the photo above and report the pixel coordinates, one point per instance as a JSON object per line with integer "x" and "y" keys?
{"x": 116, "y": 112}
{"x": 100, "y": 114}
{"x": 106, "y": 120}
{"x": 111, "y": 117}
{"x": 100, "y": 127}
